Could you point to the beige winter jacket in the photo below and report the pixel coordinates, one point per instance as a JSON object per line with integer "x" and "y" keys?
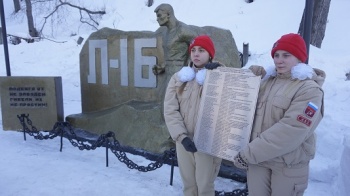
{"x": 180, "y": 109}
{"x": 287, "y": 114}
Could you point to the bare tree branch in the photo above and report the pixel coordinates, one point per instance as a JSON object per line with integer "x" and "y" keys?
{"x": 86, "y": 22}
{"x": 90, "y": 21}
{"x": 83, "y": 9}
{"x": 48, "y": 16}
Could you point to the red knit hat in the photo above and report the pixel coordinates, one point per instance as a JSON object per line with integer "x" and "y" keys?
{"x": 292, "y": 43}
{"x": 205, "y": 42}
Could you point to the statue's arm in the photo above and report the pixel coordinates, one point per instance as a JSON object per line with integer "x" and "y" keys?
{"x": 188, "y": 33}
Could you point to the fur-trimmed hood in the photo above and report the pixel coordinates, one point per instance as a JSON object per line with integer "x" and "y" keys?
{"x": 301, "y": 71}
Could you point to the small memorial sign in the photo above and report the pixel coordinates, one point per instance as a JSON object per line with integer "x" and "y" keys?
{"x": 40, "y": 97}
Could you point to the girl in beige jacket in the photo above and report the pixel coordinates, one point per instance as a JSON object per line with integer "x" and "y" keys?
{"x": 181, "y": 104}
{"x": 289, "y": 108}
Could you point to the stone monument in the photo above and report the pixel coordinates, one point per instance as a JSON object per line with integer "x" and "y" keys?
{"x": 124, "y": 75}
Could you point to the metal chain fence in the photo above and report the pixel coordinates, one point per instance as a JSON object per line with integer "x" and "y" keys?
{"x": 109, "y": 141}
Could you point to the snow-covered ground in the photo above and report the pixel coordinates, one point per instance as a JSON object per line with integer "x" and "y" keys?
{"x": 35, "y": 167}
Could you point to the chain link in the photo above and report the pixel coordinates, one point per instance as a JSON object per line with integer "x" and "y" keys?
{"x": 106, "y": 140}
{"x": 237, "y": 192}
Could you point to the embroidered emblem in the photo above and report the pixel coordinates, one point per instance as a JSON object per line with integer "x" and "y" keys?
{"x": 310, "y": 109}
{"x": 304, "y": 120}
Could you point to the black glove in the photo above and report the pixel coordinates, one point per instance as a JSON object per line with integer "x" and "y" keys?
{"x": 189, "y": 145}
{"x": 158, "y": 69}
{"x": 212, "y": 66}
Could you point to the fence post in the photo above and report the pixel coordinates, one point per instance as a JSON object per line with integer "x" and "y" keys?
{"x": 24, "y": 127}
{"x": 172, "y": 172}
{"x": 107, "y": 153}
{"x": 61, "y": 147}
{"x": 245, "y": 53}
{"x": 4, "y": 38}
{"x": 0, "y": 36}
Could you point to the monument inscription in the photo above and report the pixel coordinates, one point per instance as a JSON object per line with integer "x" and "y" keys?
{"x": 27, "y": 97}
{"x": 40, "y": 97}
{"x": 141, "y": 63}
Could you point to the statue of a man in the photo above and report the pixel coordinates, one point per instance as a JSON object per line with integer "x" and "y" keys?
{"x": 176, "y": 40}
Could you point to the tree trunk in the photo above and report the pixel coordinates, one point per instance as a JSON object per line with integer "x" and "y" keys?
{"x": 319, "y": 22}
{"x": 17, "y": 5}
{"x": 32, "y": 31}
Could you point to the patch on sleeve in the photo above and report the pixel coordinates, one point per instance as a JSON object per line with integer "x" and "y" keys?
{"x": 310, "y": 109}
{"x": 304, "y": 120}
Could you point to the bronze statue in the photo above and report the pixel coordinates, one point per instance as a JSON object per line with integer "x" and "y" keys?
{"x": 176, "y": 39}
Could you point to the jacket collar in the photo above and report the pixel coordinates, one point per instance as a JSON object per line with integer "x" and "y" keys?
{"x": 188, "y": 73}
{"x": 301, "y": 71}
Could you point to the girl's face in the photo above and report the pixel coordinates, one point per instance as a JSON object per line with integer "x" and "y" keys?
{"x": 284, "y": 61}
{"x": 199, "y": 56}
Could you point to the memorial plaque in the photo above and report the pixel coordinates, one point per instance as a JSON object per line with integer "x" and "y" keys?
{"x": 40, "y": 97}
{"x": 226, "y": 111}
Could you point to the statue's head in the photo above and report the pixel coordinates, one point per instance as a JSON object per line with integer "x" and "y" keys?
{"x": 165, "y": 13}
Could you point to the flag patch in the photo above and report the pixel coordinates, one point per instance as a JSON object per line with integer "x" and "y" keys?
{"x": 304, "y": 120}
{"x": 310, "y": 109}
